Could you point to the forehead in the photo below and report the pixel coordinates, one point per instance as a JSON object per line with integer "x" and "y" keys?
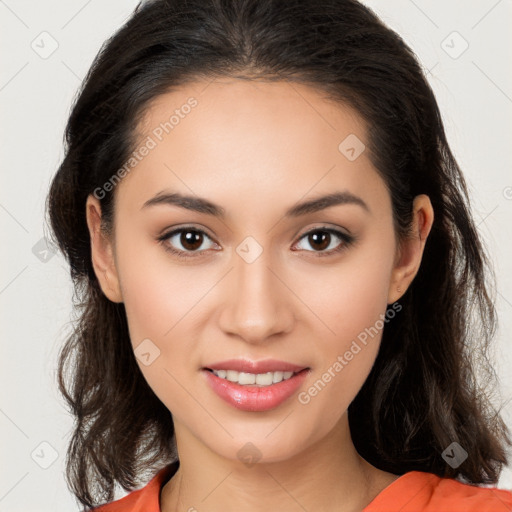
{"x": 221, "y": 105}
{"x": 263, "y": 139}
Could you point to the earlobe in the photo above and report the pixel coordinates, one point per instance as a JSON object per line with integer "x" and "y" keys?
{"x": 102, "y": 253}
{"x": 410, "y": 252}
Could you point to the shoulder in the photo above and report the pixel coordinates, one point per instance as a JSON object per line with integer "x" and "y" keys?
{"x": 418, "y": 491}
{"x": 469, "y": 497}
{"x": 146, "y": 499}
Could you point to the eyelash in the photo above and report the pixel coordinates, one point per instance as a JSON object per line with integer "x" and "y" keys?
{"x": 348, "y": 240}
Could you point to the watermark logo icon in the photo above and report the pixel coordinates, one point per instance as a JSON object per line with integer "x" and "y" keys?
{"x": 146, "y": 352}
{"x": 44, "y": 455}
{"x": 351, "y": 147}
{"x": 249, "y": 249}
{"x": 45, "y": 45}
{"x": 454, "y": 455}
{"x": 249, "y": 454}
{"x": 42, "y": 251}
{"x": 454, "y": 45}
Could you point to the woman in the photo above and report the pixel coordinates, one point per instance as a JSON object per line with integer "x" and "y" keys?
{"x": 281, "y": 290}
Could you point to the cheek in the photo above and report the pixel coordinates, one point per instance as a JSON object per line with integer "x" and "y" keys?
{"x": 351, "y": 305}
{"x": 161, "y": 300}
{"x": 348, "y": 297}
{"x": 158, "y": 293}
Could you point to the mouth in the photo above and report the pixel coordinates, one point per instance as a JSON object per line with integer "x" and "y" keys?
{"x": 255, "y": 392}
{"x": 255, "y": 379}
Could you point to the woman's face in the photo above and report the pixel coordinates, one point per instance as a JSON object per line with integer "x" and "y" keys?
{"x": 254, "y": 284}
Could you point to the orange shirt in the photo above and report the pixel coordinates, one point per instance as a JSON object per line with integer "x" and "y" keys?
{"x": 415, "y": 491}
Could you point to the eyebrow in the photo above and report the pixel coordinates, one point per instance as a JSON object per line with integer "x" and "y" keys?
{"x": 201, "y": 205}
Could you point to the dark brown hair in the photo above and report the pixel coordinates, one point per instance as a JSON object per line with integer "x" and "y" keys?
{"x": 422, "y": 393}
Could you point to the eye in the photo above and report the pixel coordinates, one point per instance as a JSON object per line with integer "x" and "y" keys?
{"x": 190, "y": 240}
{"x": 322, "y": 238}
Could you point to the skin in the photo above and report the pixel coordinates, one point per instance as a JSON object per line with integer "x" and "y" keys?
{"x": 256, "y": 149}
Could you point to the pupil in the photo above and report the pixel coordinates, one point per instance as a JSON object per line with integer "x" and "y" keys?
{"x": 323, "y": 235}
{"x": 191, "y": 238}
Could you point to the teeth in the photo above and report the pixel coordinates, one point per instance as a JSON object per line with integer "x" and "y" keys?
{"x": 260, "y": 379}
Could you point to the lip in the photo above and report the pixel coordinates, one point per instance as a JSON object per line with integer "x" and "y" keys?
{"x": 247, "y": 366}
{"x": 255, "y": 398}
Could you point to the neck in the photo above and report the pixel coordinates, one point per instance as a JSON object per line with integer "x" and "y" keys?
{"x": 328, "y": 475}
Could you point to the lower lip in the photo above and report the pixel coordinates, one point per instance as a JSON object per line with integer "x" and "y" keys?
{"x": 254, "y": 398}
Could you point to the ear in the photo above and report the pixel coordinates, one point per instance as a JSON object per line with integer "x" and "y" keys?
{"x": 102, "y": 252}
{"x": 410, "y": 251}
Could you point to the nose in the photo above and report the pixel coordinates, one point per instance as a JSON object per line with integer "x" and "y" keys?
{"x": 258, "y": 302}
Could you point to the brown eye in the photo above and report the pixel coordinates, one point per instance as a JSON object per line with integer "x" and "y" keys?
{"x": 191, "y": 240}
{"x": 185, "y": 242}
{"x": 322, "y": 238}
{"x": 319, "y": 239}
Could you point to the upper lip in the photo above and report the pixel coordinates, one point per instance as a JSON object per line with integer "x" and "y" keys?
{"x": 247, "y": 366}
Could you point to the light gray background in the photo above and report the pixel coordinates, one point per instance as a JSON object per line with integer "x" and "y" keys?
{"x": 474, "y": 92}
